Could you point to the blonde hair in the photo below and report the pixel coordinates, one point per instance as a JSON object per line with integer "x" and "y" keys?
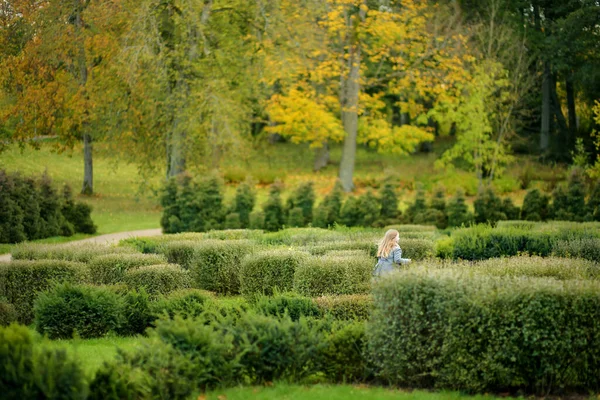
{"x": 387, "y": 243}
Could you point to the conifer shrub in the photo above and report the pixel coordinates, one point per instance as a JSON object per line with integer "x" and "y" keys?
{"x": 273, "y": 209}
{"x": 170, "y": 220}
{"x": 576, "y": 196}
{"x": 8, "y": 313}
{"x": 27, "y": 198}
{"x": 256, "y": 220}
{"x": 245, "y": 199}
{"x": 287, "y": 304}
{"x": 370, "y": 209}
{"x": 351, "y": 212}
{"x": 137, "y": 313}
{"x": 343, "y": 355}
{"x": 210, "y": 202}
{"x": 21, "y": 281}
{"x": 65, "y": 309}
{"x": 419, "y": 206}
{"x": 303, "y": 198}
{"x": 77, "y": 214}
{"x": 50, "y": 208}
{"x": 458, "y": 211}
{"x": 488, "y": 207}
{"x": 389, "y": 203}
{"x": 216, "y": 264}
{"x": 329, "y": 275}
{"x": 593, "y": 204}
{"x": 232, "y": 221}
{"x": 586, "y": 248}
{"x": 295, "y": 218}
{"x": 535, "y": 206}
{"x": 109, "y": 269}
{"x": 328, "y": 212}
{"x": 560, "y": 205}
{"x": 267, "y": 271}
{"x": 184, "y": 303}
{"x": 509, "y": 209}
{"x": 11, "y": 215}
{"x": 158, "y": 279}
{"x": 346, "y": 307}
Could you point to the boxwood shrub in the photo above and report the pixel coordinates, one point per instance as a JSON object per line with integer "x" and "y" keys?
{"x": 331, "y": 275}
{"x": 343, "y": 356}
{"x": 266, "y": 271}
{"x": 463, "y": 331}
{"x": 91, "y": 311}
{"x": 21, "y": 281}
{"x": 587, "y": 248}
{"x": 158, "y": 279}
{"x": 109, "y": 269}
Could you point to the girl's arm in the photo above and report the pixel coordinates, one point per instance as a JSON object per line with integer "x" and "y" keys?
{"x": 398, "y": 256}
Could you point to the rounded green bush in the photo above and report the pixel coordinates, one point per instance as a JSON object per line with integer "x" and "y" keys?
{"x": 346, "y": 307}
{"x": 186, "y": 303}
{"x": 266, "y": 271}
{"x": 343, "y": 356}
{"x": 330, "y": 275}
{"x": 88, "y": 310}
{"x": 158, "y": 279}
{"x": 21, "y": 281}
{"x": 8, "y": 313}
{"x": 179, "y": 252}
{"x": 111, "y": 268}
{"x": 137, "y": 313}
{"x": 287, "y": 304}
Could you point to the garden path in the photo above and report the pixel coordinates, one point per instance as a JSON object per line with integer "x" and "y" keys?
{"x": 106, "y": 239}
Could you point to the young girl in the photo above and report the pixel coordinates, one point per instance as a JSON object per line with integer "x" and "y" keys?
{"x": 389, "y": 253}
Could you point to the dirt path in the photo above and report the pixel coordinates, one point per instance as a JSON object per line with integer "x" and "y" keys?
{"x": 106, "y": 239}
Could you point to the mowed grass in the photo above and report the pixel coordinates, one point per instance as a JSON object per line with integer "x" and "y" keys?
{"x": 331, "y": 392}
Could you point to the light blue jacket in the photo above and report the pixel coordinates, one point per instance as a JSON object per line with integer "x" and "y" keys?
{"x": 387, "y": 264}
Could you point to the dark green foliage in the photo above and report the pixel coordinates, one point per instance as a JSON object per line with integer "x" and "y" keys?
{"x": 8, "y": 313}
{"x": 109, "y": 269}
{"x": 295, "y": 218}
{"x": 347, "y": 307}
{"x": 388, "y": 201}
{"x": 188, "y": 204}
{"x": 351, "y": 212}
{"x": 343, "y": 356}
{"x": 68, "y": 252}
{"x": 535, "y": 206}
{"x": 560, "y": 205}
{"x": 266, "y": 271}
{"x": 370, "y": 209}
{"x": 232, "y": 221}
{"x": 256, "y": 220}
{"x": 120, "y": 381}
{"x": 304, "y": 199}
{"x": 458, "y": 211}
{"x": 287, "y": 304}
{"x": 509, "y": 209}
{"x": 66, "y": 308}
{"x": 419, "y": 206}
{"x": 245, "y": 198}
{"x": 328, "y": 212}
{"x": 181, "y": 252}
{"x": 21, "y": 281}
{"x": 576, "y": 196}
{"x": 211, "y": 212}
{"x": 28, "y": 199}
{"x": 430, "y": 216}
{"x": 586, "y": 248}
{"x": 58, "y": 376}
{"x": 593, "y": 204}
{"x": 76, "y": 213}
{"x": 417, "y": 249}
{"x": 438, "y": 203}
{"x": 137, "y": 313}
{"x": 16, "y": 363}
{"x": 488, "y": 207}
{"x": 158, "y": 279}
{"x": 216, "y": 264}
{"x": 170, "y": 220}
{"x": 11, "y": 215}
{"x": 273, "y": 209}
{"x": 187, "y": 303}
{"x": 50, "y": 209}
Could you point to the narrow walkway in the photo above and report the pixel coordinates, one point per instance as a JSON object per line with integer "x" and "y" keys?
{"x": 106, "y": 239}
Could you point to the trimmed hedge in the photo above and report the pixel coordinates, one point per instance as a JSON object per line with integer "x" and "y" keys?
{"x": 266, "y": 271}
{"x": 415, "y": 249}
{"x": 330, "y": 275}
{"x": 21, "y": 281}
{"x": 180, "y": 252}
{"x": 448, "y": 329}
{"x": 301, "y": 236}
{"x": 588, "y": 249}
{"x": 185, "y": 303}
{"x": 158, "y": 279}
{"x": 346, "y": 307}
{"x": 111, "y": 268}
{"x": 535, "y": 266}
{"x": 343, "y": 356}
{"x": 8, "y": 313}
{"x": 136, "y": 312}
{"x": 67, "y": 252}
{"x": 216, "y": 264}
{"x": 89, "y": 311}
{"x": 287, "y": 304}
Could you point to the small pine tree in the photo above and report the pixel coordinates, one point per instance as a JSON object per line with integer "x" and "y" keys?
{"x": 256, "y": 220}
{"x": 188, "y": 205}
{"x": 535, "y": 206}
{"x": 389, "y": 201}
{"x": 11, "y": 215}
{"x": 511, "y": 211}
{"x": 328, "y": 212}
{"x": 458, "y": 211}
{"x": 320, "y": 217}
{"x": 488, "y": 207}
{"x": 593, "y": 204}
{"x": 438, "y": 203}
{"x": 245, "y": 198}
{"x": 419, "y": 206}
{"x": 77, "y": 214}
{"x": 170, "y": 220}
{"x": 304, "y": 199}
{"x": 350, "y": 214}
{"x": 210, "y": 203}
{"x": 273, "y": 209}
{"x": 560, "y": 205}
{"x": 576, "y": 195}
{"x": 295, "y": 218}
{"x": 370, "y": 209}
{"x": 232, "y": 221}
{"x": 49, "y": 208}
{"x": 27, "y": 198}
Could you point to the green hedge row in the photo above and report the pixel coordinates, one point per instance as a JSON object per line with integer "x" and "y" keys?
{"x": 67, "y": 252}
{"x": 459, "y": 330}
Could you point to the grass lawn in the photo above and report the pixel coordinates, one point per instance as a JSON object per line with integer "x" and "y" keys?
{"x": 330, "y": 392}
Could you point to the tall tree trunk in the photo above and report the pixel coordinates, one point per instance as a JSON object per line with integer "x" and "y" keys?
{"x": 88, "y": 166}
{"x": 321, "y": 157}
{"x": 546, "y": 109}
{"x": 571, "y": 107}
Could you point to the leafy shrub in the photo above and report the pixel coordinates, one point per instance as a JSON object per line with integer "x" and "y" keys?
{"x": 287, "y": 304}
{"x": 301, "y": 236}
{"x": 276, "y": 348}
{"x": 11, "y": 214}
{"x": 137, "y": 313}
{"x": 158, "y": 279}
{"x": 170, "y": 219}
{"x": 68, "y": 252}
{"x": 388, "y": 201}
{"x": 245, "y": 198}
{"x": 16, "y": 362}
{"x": 234, "y": 234}
{"x": 343, "y": 356}
{"x": 180, "y": 252}
{"x": 417, "y": 249}
{"x": 263, "y": 272}
{"x": 346, "y": 307}
{"x": 117, "y": 380}
{"x": 488, "y": 207}
{"x": 366, "y": 245}
{"x": 273, "y": 209}
{"x": 333, "y": 275}
{"x": 351, "y": 212}
{"x": 418, "y": 206}
{"x": 66, "y": 308}
{"x": 443, "y": 329}
{"x": 458, "y": 211}
{"x": 346, "y": 253}
{"x": 328, "y": 212}
{"x": 444, "y": 248}
{"x": 185, "y": 303}
{"x": 27, "y": 198}
{"x": 50, "y": 213}
{"x": 370, "y": 209}
{"x": 256, "y": 220}
{"x": 216, "y": 264}
{"x": 78, "y": 214}
{"x": 535, "y": 206}
{"x": 295, "y": 217}
{"x": 303, "y": 199}
{"x": 593, "y": 204}
{"x": 58, "y": 375}
{"x": 8, "y": 313}
{"x": 587, "y": 248}
{"x": 21, "y": 281}
{"x": 538, "y": 267}
{"x": 111, "y": 268}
